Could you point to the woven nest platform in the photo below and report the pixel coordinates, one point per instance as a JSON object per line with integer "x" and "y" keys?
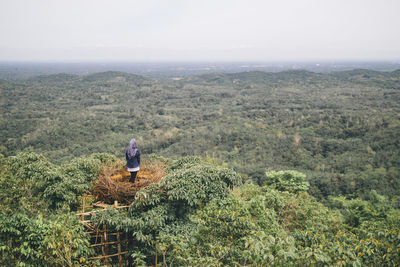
{"x": 114, "y": 183}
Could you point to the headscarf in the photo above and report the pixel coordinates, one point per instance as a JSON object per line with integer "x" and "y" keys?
{"x": 132, "y": 148}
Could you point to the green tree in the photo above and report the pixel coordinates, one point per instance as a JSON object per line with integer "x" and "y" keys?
{"x": 291, "y": 181}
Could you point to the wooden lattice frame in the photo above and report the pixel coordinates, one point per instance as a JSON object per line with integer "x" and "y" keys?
{"x": 107, "y": 243}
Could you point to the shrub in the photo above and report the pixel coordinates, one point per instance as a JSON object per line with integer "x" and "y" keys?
{"x": 292, "y": 181}
{"x": 38, "y": 241}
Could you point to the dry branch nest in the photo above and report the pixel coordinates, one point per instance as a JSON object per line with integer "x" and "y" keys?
{"x": 114, "y": 183}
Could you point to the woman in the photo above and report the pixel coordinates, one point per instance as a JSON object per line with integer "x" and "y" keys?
{"x": 132, "y": 155}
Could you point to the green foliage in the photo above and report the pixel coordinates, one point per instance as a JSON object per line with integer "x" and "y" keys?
{"x": 377, "y": 225}
{"x": 37, "y": 241}
{"x": 380, "y": 248}
{"x": 182, "y": 163}
{"x": 197, "y": 184}
{"x": 357, "y": 211}
{"x": 291, "y": 181}
{"x": 257, "y": 227}
{"x": 34, "y": 231}
{"x": 23, "y": 179}
{"x": 75, "y": 179}
{"x": 21, "y": 239}
{"x": 30, "y": 182}
{"x": 65, "y": 242}
{"x": 138, "y": 259}
{"x": 194, "y": 216}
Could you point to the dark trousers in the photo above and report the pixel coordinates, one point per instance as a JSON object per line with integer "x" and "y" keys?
{"x": 133, "y": 176}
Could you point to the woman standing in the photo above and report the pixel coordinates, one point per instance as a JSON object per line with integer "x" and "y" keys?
{"x": 132, "y": 155}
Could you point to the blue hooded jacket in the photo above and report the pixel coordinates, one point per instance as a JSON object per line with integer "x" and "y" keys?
{"x": 132, "y": 155}
{"x": 133, "y": 162}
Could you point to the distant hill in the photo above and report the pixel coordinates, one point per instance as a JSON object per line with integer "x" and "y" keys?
{"x": 360, "y": 76}
{"x": 114, "y": 76}
{"x": 60, "y": 77}
{"x": 255, "y": 76}
{"x": 260, "y": 76}
{"x": 215, "y": 77}
{"x": 220, "y": 78}
{"x": 396, "y": 73}
{"x": 363, "y": 73}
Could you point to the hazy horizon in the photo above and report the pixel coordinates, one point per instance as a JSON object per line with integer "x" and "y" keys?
{"x": 199, "y": 31}
{"x": 188, "y": 61}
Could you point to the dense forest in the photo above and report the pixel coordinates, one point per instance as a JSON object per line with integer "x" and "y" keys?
{"x": 293, "y": 167}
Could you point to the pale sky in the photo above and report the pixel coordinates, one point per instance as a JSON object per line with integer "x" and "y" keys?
{"x": 201, "y": 30}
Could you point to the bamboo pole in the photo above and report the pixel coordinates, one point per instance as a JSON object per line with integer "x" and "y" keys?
{"x": 119, "y": 249}
{"x": 83, "y": 204}
{"x": 103, "y": 251}
{"x": 95, "y": 211}
{"x": 82, "y": 217}
{"x": 100, "y": 231}
{"x": 155, "y": 260}
{"x": 105, "y": 246}
{"x": 97, "y": 235}
{"x": 164, "y": 261}
{"x": 107, "y": 256}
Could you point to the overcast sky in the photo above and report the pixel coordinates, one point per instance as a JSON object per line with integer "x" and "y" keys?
{"x": 206, "y": 30}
